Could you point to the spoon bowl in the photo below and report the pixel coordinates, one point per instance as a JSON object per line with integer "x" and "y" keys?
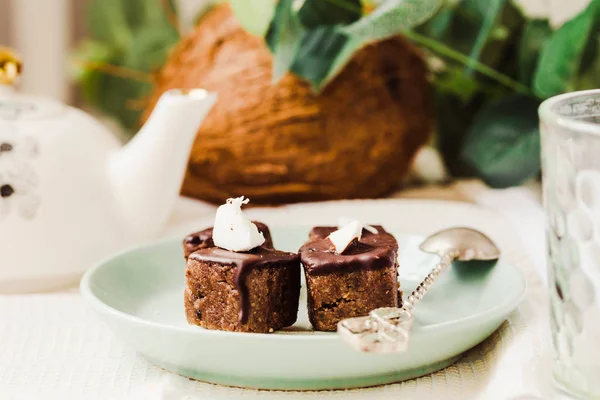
{"x": 469, "y": 243}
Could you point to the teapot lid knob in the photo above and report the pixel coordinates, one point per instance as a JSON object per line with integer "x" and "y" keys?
{"x": 10, "y": 66}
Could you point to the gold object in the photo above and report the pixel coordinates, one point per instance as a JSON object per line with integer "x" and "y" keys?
{"x": 10, "y": 66}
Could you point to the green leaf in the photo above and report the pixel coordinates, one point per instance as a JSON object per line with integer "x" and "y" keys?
{"x": 391, "y": 18}
{"x": 107, "y": 23}
{"x": 325, "y": 51}
{"x": 315, "y": 13}
{"x": 254, "y": 15}
{"x": 491, "y": 10}
{"x": 460, "y": 26}
{"x": 284, "y": 38}
{"x": 462, "y": 59}
{"x": 560, "y": 59}
{"x": 535, "y": 33}
{"x": 589, "y": 75}
{"x": 503, "y": 143}
{"x": 139, "y": 12}
{"x": 150, "y": 47}
{"x": 317, "y": 53}
{"x": 438, "y": 25}
{"x": 271, "y": 36}
{"x": 351, "y": 46}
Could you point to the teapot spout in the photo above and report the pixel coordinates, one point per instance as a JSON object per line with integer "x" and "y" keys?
{"x": 146, "y": 174}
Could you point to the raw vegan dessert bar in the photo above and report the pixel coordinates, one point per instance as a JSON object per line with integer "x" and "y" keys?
{"x": 204, "y": 240}
{"x": 349, "y": 272}
{"x": 239, "y": 284}
{"x": 254, "y": 291}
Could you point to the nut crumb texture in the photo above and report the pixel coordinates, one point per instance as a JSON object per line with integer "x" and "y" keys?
{"x": 257, "y": 291}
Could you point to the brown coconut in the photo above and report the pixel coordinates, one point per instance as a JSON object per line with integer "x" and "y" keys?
{"x": 284, "y": 143}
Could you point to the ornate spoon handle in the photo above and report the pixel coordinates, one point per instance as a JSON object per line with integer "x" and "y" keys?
{"x": 421, "y": 290}
{"x": 387, "y": 330}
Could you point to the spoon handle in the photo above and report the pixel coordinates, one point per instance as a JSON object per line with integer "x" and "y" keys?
{"x": 417, "y": 294}
{"x": 387, "y": 330}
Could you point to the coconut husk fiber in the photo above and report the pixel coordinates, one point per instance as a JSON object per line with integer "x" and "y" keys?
{"x": 283, "y": 143}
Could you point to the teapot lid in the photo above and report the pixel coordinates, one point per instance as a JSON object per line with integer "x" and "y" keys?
{"x": 18, "y": 107}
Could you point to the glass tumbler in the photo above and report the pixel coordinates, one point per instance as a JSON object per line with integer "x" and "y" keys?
{"x": 570, "y": 141}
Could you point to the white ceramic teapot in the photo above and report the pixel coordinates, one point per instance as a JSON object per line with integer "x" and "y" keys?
{"x": 70, "y": 194}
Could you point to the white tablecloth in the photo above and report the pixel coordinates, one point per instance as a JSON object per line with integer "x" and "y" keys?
{"x": 52, "y": 347}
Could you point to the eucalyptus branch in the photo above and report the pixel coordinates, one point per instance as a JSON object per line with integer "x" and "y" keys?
{"x": 467, "y": 61}
{"x": 483, "y": 69}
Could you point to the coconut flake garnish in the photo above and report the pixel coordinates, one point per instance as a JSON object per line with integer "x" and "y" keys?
{"x": 343, "y": 221}
{"x": 342, "y": 238}
{"x": 232, "y": 230}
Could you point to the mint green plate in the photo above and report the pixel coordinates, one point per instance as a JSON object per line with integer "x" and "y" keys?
{"x": 139, "y": 294}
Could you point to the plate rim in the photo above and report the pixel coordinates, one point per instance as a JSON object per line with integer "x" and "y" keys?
{"x": 85, "y": 289}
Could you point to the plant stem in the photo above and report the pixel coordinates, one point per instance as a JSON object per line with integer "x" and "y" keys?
{"x": 488, "y": 22}
{"x": 483, "y": 69}
{"x": 115, "y": 70}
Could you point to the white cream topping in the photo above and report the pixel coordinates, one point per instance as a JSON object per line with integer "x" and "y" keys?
{"x": 232, "y": 230}
{"x": 342, "y": 238}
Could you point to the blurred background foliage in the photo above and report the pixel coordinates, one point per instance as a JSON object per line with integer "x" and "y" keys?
{"x": 490, "y": 65}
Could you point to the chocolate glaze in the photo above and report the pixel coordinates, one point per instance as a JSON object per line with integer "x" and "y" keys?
{"x": 372, "y": 251}
{"x": 203, "y": 239}
{"x": 321, "y": 232}
{"x": 244, "y": 262}
{"x": 197, "y": 241}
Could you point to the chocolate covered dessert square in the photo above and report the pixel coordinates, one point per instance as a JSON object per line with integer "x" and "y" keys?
{"x": 255, "y": 291}
{"x": 203, "y": 239}
{"x": 351, "y": 284}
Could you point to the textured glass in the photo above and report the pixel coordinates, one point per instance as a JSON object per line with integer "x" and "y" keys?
{"x": 570, "y": 130}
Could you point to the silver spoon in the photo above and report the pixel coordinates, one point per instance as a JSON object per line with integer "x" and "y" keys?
{"x": 387, "y": 330}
